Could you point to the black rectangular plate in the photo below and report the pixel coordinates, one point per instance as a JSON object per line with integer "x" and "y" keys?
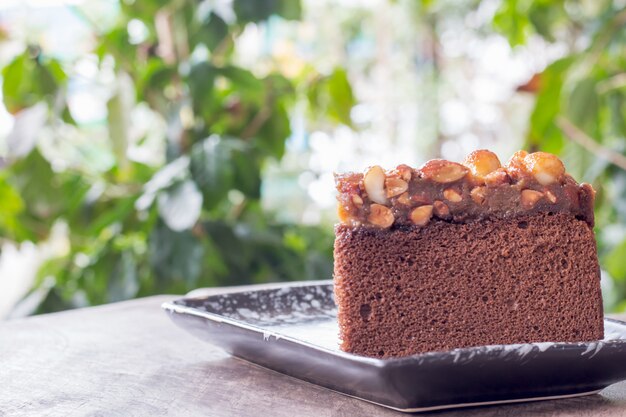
{"x": 293, "y": 330}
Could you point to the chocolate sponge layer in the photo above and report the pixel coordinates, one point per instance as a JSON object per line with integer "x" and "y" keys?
{"x": 409, "y": 290}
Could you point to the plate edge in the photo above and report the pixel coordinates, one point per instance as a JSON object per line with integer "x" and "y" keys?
{"x": 476, "y": 404}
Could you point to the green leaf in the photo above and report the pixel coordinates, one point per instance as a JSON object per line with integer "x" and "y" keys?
{"x": 38, "y": 185}
{"x": 247, "y": 178}
{"x": 14, "y": 84}
{"x": 12, "y": 205}
{"x": 620, "y": 308}
{"x": 236, "y": 253}
{"x": 47, "y": 77}
{"x": 67, "y": 117}
{"x": 342, "y": 99}
{"x": 119, "y": 108}
{"x": 176, "y": 258}
{"x": 201, "y": 81}
{"x": 117, "y": 213}
{"x": 511, "y": 19}
{"x": 279, "y": 86}
{"x": 75, "y": 187}
{"x": 123, "y": 281}
{"x": 172, "y": 173}
{"x": 583, "y": 105}
{"x": 272, "y": 135}
{"x": 331, "y": 97}
{"x": 290, "y": 9}
{"x": 50, "y": 301}
{"x": 180, "y": 205}
{"x": 28, "y": 80}
{"x": 615, "y": 263}
{"x": 221, "y": 164}
{"x": 143, "y": 10}
{"x": 543, "y": 132}
{"x": 243, "y": 81}
{"x": 35, "y": 300}
{"x": 212, "y": 169}
{"x": 117, "y": 43}
{"x": 26, "y": 130}
{"x": 617, "y": 112}
{"x": 259, "y": 10}
{"x": 211, "y": 32}
{"x": 152, "y": 79}
{"x": 427, "y": 4}
{"x": 545, "y": 15}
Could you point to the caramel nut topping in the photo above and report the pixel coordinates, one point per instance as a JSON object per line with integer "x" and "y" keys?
{"x": 348, "y": 183}
{"x": 405, "y": 172}
{"x": 380, "y": 216}
{"x": 395, "y": 186}
{"x": 442, "y": 171}
{"x": 482, "y": 163}
{"x": 545, "y": 167}
{"x": 374, "y": 182}
{"x": 530, "y": 197}
{"x": 452, "y": 195}
{"x": 441, "y": 209}
{"x": 497, "y": 177}
{"x": 404, "y": 199}
{"x": 550, "y": 196}
{"x": 357, "y": 200}
{"x": 420, "y": 199}
{"x": 343, "y": 214}
{"x": 478, "y": 194}
{"x": 420, "y": 216}
{"x": 516, "y": 166}
{"x": 461, "y": 194}
{"x": 588, "y": 188}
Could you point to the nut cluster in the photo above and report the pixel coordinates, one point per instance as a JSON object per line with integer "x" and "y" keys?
{"x": 443, "y": 189}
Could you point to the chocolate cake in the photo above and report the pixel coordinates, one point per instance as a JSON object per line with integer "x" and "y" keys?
{"x": 456, "y": 255}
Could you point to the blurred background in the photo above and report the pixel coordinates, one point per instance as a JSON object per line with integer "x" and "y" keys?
{"x": 156, "y": 147}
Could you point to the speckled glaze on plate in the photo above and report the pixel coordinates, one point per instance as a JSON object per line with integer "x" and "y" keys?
{"x": 293, "y": 330}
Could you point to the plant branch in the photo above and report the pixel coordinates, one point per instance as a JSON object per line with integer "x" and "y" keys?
{"x": 257, "y": 122}
{"x": 613, "y": 83}
{"x": 165, "y": 36}
{"x": 218, "y": 55}
{"x": 238, "y": 209}
{"x": 604, "y": 39}
{"x": 259, "y": 119}
{"x": 576, "y": 135}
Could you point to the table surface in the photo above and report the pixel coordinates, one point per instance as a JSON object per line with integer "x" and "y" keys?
{"x": 127, "y": 359}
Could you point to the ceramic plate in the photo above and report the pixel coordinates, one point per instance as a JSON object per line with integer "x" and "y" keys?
{"x": 293, "y": 330}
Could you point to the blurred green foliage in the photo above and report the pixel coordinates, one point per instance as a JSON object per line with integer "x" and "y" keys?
{"x": 136, "y": 229}
{"x": 580, "y": 107}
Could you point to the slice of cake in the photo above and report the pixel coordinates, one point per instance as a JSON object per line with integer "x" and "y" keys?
{"x": 455, "y": 255}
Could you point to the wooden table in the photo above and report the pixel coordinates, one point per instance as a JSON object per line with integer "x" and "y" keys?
{"x": 128, "y": 359}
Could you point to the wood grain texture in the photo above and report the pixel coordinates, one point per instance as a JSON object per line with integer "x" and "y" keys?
{"x": 128, "y": 359}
